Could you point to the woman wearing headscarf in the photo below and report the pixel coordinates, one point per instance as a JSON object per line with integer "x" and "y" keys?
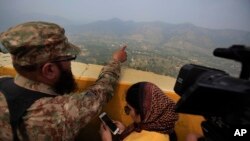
{"x": 152, "y": 113}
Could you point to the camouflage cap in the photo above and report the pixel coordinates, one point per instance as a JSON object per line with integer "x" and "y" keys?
{"x": 37, "y": 42}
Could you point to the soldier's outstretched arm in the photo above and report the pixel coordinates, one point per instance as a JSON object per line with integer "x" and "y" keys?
{"x": 89, "y": 104}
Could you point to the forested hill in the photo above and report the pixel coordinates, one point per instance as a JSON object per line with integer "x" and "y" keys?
{"x": 156, "y": 46}
{"x": 162, "y": 34}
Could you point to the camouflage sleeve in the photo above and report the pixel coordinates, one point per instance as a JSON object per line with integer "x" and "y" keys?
{"x": 106, "y": 82}
{"x": 83, "y": 107}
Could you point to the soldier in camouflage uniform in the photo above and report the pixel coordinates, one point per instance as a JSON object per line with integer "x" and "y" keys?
{"x": 41, "y": 55}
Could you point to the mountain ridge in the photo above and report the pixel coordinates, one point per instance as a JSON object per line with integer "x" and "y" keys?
{"x": 156, "y": 46}
{"x": 159, "y": 33}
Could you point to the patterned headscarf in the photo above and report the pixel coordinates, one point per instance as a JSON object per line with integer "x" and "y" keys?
{"x": 158, "y": 112}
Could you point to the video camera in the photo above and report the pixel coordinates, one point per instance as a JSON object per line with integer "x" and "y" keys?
{"x": 224, "y": 101}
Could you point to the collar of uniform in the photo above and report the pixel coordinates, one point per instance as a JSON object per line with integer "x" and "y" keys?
{"x": 33, "y": 85}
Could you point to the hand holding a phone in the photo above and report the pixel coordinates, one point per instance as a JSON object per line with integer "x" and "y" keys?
{"x": 105, "y": 133}
{"x": 120, "y": 126}
{"x": 109, "y": 123}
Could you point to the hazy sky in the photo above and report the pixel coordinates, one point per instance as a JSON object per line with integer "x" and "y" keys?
{"x": 234, "y": 14}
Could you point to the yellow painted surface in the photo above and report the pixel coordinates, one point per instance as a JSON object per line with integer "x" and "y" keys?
{"x": 86, "y": 74}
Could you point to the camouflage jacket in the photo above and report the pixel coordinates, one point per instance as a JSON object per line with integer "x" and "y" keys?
{"x": 61, "y": 117}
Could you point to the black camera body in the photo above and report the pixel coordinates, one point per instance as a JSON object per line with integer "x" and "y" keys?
{"x": 223, "y": 100}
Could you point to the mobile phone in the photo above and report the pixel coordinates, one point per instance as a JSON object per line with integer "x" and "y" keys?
{"x": 107, "y": 120}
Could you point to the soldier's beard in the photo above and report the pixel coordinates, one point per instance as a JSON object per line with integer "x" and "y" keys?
{"x": 66, "y": 82}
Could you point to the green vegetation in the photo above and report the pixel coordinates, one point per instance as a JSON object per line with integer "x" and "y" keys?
{"x": 157, "y": 47}
{"x": 165, "y": 61}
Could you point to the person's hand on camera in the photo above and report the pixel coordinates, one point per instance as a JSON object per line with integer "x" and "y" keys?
{"x": 105, "y": 133}
{"x": 120, "y": 55}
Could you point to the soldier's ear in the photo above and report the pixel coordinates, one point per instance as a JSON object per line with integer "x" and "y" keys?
{"x": 50, "y": 71}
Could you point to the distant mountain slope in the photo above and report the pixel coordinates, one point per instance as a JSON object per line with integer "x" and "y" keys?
{"x": 159, "y": 33}
{"x": 156, "y": 46}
